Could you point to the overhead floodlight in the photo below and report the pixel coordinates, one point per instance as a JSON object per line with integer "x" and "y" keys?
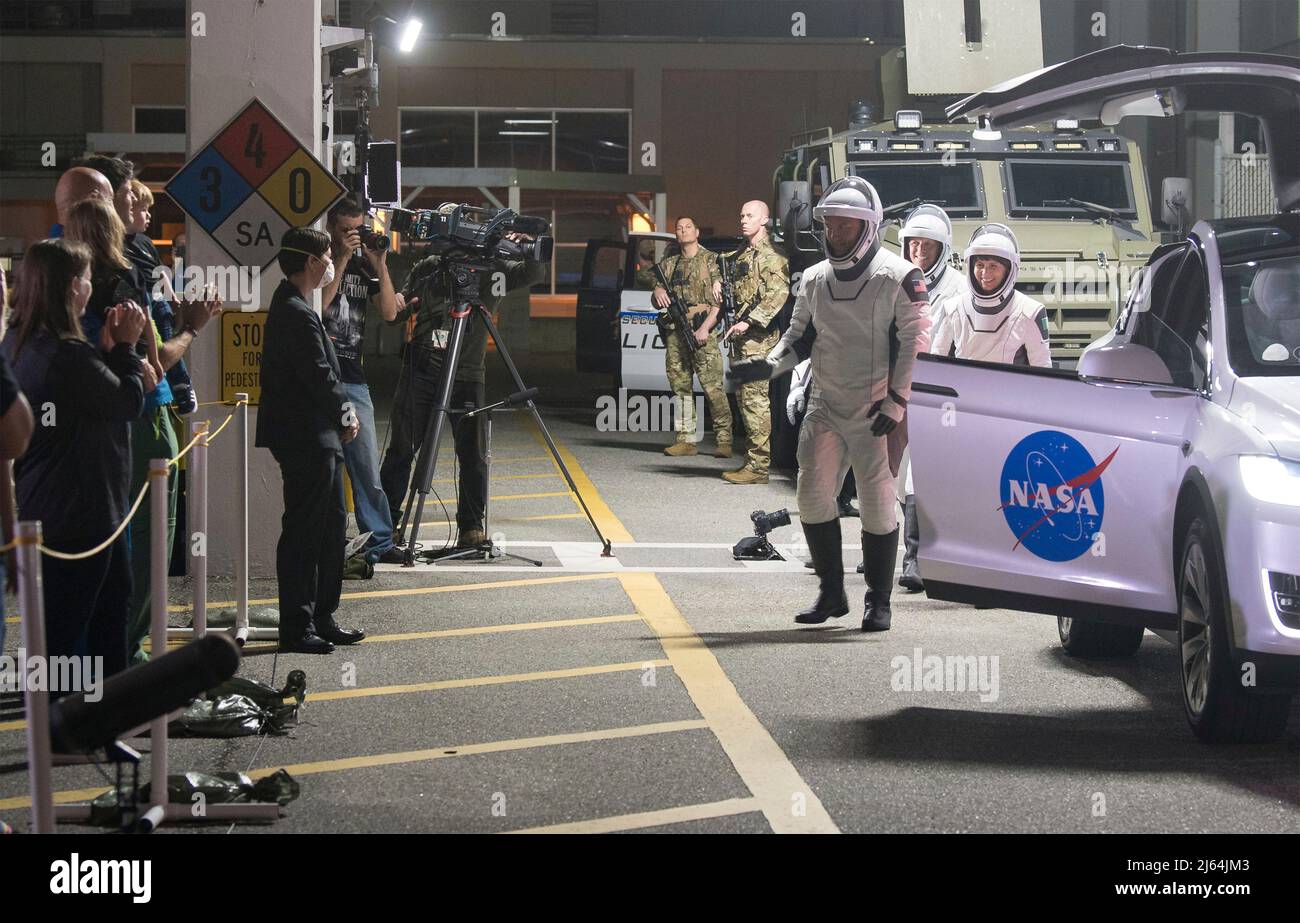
{"x": 1066, "y": 124}
{"x": 410, "y": 32}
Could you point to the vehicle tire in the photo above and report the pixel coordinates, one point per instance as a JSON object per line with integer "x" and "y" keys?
{"x": 1218, "y": 708}
{"x": 1088, "y": 639}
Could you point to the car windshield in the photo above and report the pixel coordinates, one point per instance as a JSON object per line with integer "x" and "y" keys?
{"x": 1262, "y": 302}
{"x": 1047, "y": 185}
{"x": 953, "y": 188}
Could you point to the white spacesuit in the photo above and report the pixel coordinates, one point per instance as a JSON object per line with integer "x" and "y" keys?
{"x": 862, "y": 316}
{"x": 946, "y": 287}
{"x": 944, "y": 283}
{"x": 1001, "y": 325}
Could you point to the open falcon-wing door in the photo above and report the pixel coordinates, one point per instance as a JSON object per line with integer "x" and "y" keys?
{"x": 1126, "y": 80}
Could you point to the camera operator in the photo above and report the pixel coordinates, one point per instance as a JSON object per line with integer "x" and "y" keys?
{"x": 364, "y": 276}
{"x": 424, "y": 304}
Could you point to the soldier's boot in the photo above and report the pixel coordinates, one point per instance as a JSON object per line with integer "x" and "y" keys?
{"x": 824, "y": 546}
{"x": 878, "y": 555}
{"x": 746, "y": 475}
{"x": 910, "y": 579}
{"x": 723, "y": 450}
{"x": 681, "y": 448}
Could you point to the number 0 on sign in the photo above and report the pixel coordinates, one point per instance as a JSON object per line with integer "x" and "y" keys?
{"x": 251, "y": 183}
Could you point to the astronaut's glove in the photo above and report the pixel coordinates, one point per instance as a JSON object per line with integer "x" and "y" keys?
{"x": 756, "y": 369}
{"x": 797, "y": 402}
{"x": 778, "y": 362}
{"x": 887, "y": 415}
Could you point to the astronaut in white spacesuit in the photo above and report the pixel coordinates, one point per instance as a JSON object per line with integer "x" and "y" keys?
{"x": 862, "y": 316}
{"x": 926, "y": 239}
{"x": 994, "y": 322}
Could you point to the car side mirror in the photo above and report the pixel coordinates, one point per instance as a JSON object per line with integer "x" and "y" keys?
{"x": 1125, "y": 362}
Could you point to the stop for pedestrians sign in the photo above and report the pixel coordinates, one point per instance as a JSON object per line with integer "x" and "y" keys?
{"x": 251, "y": 183}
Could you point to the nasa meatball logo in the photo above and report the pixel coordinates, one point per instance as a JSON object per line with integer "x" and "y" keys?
{"x": 1052, "y": 495}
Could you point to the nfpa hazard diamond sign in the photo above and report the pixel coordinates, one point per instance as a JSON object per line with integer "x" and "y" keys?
{"x": 251, "y": 183}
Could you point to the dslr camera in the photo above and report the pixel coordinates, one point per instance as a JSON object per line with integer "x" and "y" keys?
{"x": 373, "y": 240}
{"x": 470, "y": 233}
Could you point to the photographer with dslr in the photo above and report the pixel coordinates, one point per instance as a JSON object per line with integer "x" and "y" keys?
{"x": 362, "y": 256}
{"x": 424, "y": 304}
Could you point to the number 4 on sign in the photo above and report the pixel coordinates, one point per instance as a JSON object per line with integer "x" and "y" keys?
{"x": 253, "y": 147}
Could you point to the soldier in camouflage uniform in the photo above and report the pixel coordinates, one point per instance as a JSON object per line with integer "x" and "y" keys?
{"x": 695, "y": 280}
{"x": 762, "y": 285}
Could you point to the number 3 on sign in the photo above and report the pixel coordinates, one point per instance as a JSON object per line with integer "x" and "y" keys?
{"x": 253, "y": 147}
{"x": 210, "y": 200}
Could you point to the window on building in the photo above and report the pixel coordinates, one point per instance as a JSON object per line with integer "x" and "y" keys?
{"x": 591, "y": 142}
{"x": 437, "y": 138}
{"x": 521, "y": 140}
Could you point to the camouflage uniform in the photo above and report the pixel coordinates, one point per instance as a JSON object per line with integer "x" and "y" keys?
{"x": 762, "y": 279}
{"x": 692, "y": 281}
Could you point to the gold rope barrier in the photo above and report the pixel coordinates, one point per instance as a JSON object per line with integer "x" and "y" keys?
{"x": 81, "y": 555}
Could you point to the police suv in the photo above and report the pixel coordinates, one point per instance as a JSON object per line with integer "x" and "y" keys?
{"x": 1158, "y": 486}
{"x": 616, "y": 330}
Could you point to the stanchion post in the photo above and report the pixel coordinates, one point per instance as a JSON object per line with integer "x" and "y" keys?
{"x": 158, "y": 610}
{"x": 241, "y": 514}
{"x": 198, "y": 515}
{"x": 32, "y": 606}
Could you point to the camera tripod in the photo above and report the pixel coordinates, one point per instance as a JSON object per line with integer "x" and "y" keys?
{"x": 464, "y": 279}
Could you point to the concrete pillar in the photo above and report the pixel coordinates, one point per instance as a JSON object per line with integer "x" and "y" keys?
{"x": 647, "y": 118}
{"x": 270, "y": 51}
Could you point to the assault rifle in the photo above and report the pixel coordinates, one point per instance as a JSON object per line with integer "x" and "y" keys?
{"x": 677, "y": 315}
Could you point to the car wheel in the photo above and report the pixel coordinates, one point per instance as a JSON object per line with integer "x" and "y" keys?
{"x": 1088, "y": 639}
{"x": 1219, "y": 709}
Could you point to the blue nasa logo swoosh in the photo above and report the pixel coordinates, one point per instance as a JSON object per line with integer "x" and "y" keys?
{"x": 1052, "y": 495}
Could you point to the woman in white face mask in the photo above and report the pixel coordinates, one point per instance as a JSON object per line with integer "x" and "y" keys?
{"x": 304, "y": 419}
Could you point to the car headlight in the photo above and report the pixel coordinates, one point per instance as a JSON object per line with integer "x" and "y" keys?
{"x": 1271, "y": 480}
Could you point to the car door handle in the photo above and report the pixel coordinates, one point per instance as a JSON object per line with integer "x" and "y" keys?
{"x": 941, "y": 390}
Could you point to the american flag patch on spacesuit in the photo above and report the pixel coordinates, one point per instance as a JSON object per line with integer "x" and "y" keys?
{"x": 914, "y": 285}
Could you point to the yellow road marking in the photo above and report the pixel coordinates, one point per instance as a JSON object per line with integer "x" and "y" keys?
{"x": 759, "y": 760}
{"x": 608, "y": 523}
{"x": 652, "y": 818}
{"x": 435, "y": 504}
{"x": 507, "y": 477}
{"x": 420, "y": 591}
{"x": 21, "y": 724}
{"x": 497, "y": 746}
{"x": 788, "y": 803}
{"x": 538, "y": 518}
{"x": 471, "y": 681}
{"x": 415, "y": 756}
{"x": 493, "y": 629}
